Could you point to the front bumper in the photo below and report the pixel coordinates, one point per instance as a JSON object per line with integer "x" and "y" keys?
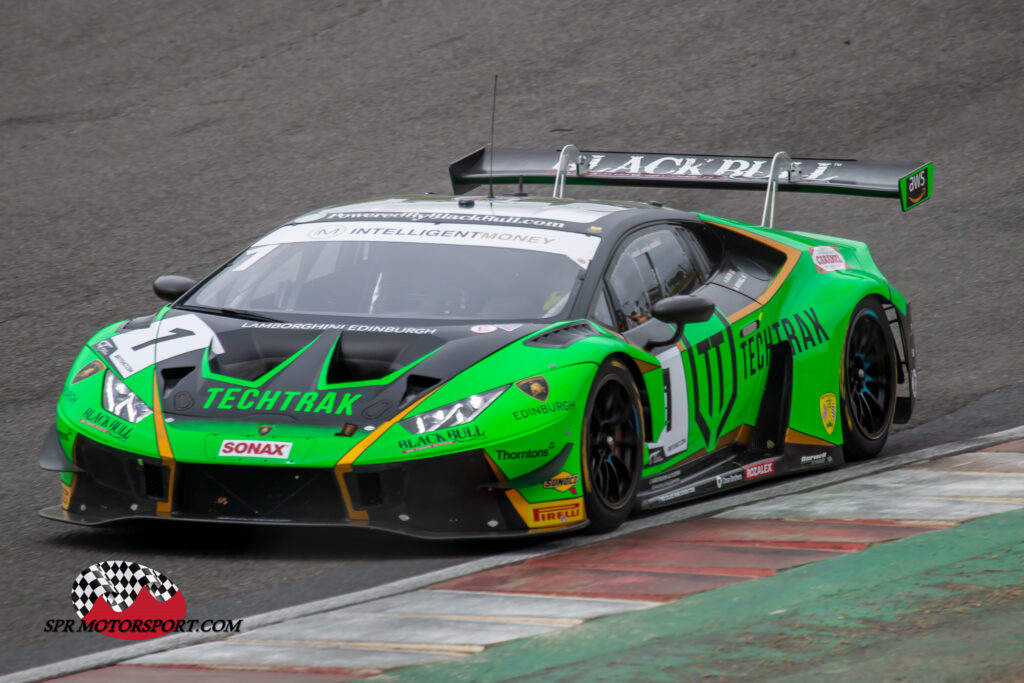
{"x": 452, "y": 496}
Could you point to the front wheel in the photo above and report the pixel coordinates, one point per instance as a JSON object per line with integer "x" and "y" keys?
{"x": 868, "y": 382}
{"x": 613, "y": 444}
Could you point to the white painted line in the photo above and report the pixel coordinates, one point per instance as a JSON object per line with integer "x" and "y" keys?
{"x": 710, "y": 507}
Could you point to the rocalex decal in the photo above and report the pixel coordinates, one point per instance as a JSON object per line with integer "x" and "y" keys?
{"x": 759, "y": 469}
{"x": 136, "y": 350}
{"x": 576, "y": 246}
{"x": 267, "y": 400}
{"x": 802, "y": 330}
{"x": 827, "y": 404}
{"x": 827, "y": 259}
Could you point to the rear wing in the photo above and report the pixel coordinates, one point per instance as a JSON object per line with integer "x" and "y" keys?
{"x": 909, "y": 181}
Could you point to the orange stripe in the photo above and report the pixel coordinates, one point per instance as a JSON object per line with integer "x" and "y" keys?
{"x": 163, "y": 447}
{"x": 344, "y": 466}
{"x": 793, "y": 436}
{"x": 792, "y": 256}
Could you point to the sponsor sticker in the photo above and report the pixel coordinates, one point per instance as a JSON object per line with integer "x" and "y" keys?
{"x": 563, "y": 481}
{"x": 553, "y": 514}
{"x": 544, "y": 409}
{"x": 827, "y": 259}
{"x": 916, "y": 188}
{"x": 816, "y": 459}
{"x": 656, "y": 456}
{"x": 268, "y": 400}
{"x": 759, "y": 469}
{"x": 526, "y": 454}
{"x": 255, "y": 449}
{"x": 483, "y": 329}
{"x": 442, "y": 437}
{"x": 446, "y": 228}
{"x": 827, "y": 405}
{"x": 674, "y": 494}
{"x": 106, "y": 423}
{"x": 726, "y": 479}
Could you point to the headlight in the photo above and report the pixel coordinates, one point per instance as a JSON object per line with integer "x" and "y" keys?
{"x": 121, "y": 401}
{"x": 453, "y": 414}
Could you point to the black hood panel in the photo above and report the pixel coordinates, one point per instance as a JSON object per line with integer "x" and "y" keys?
{"x": 291, "y": 372}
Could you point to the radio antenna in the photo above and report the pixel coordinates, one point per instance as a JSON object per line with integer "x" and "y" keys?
{"x": 494, "y": 104}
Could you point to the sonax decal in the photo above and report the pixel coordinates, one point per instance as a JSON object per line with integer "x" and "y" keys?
{"x": 256, "y": 449}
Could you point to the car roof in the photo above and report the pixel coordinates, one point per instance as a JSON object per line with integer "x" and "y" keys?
{"x": 587, "y": 216}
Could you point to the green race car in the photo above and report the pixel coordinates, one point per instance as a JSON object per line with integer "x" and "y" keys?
{"x": 477, "y": 366}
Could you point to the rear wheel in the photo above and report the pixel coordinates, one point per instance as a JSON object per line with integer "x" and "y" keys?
{"x": 613, "y": 443}
{"x": 868, "y": 382}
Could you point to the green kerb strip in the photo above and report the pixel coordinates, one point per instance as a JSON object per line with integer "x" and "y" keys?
{"x": 943, "y": 605}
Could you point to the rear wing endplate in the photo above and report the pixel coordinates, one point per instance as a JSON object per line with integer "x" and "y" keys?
{"x": 910, "y": 182}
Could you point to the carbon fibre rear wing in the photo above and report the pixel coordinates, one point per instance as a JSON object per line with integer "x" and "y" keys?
{"x": 909, "y": 181}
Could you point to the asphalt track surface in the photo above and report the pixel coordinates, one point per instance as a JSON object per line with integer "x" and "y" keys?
{"x": 138, "y": 139}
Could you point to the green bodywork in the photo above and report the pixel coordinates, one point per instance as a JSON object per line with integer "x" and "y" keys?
{"x": 810, "y": 308}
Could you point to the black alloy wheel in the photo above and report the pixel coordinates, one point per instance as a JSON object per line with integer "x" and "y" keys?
{"x": 869, "y": 382}
{"x": 613, "y": 446}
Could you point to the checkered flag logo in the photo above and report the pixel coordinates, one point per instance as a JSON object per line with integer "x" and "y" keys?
{"x": 119, "y": 583}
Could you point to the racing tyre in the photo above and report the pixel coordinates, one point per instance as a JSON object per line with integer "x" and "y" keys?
{"x": 868, "y": 399}
{"x": 612, "y": 446}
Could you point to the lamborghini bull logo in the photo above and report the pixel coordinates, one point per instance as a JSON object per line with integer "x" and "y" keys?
{"x": 534, "y": 387}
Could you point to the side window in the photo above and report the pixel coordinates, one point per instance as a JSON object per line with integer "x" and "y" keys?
{"x": 673, "y": 265}
{"x": 654, "y": 265}
{"x": 600, "y": 310}
{"x": 634, "y": 286}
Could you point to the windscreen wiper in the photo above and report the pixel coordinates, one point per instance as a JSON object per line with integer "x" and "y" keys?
{"x": 229, "y": 312}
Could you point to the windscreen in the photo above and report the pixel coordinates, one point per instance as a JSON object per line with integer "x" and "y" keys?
{"x": 338, "y": 274}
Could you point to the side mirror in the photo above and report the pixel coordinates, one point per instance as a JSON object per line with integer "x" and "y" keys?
{"x": 680, "y": 310}
{"x": 171, "y": 287}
